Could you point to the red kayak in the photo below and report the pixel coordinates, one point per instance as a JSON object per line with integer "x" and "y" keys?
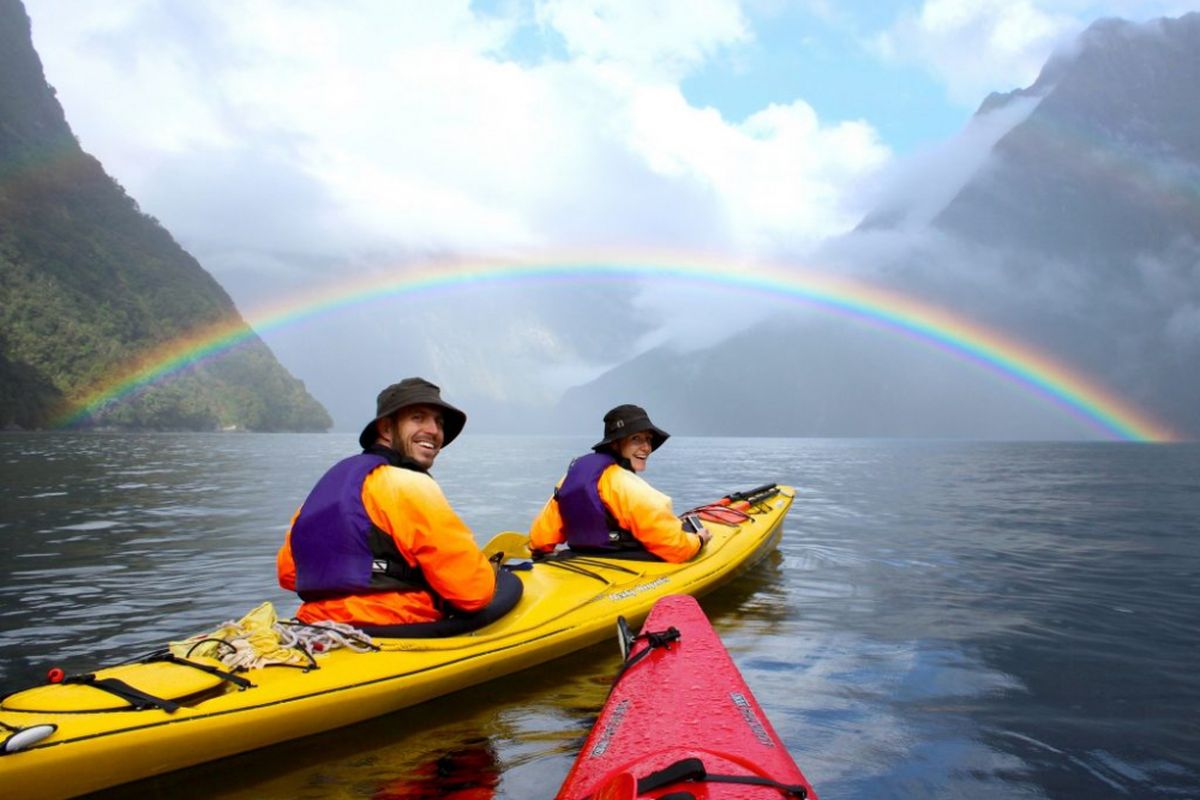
{"x": 681, "y": 723}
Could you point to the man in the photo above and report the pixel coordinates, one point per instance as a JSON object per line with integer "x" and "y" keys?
{"x": 603, "y": 506}
{"x": 376, "y": 542}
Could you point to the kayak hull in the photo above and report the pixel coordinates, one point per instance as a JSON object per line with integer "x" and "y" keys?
{"x": 561, "y": 610}
{"x": 681, "y": 719}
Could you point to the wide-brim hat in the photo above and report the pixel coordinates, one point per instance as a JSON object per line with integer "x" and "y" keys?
{"x": 626, "y": 420}
{"x": 411, "y": 392}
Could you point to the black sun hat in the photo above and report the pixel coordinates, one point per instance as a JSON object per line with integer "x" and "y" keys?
{"x": 626, "y": 420}
{"x": 411, "y": 392}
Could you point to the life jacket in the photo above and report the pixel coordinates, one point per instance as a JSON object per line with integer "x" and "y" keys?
{"x": 587, "y": 522}
{"x": 337, "y": 549}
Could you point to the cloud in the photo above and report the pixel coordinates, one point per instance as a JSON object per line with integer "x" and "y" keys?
{"x": 411, "y": 131}
{"x": 975, "y": 47}
{"x": 909, "y": 193}
{"x": 289, "y": 146}
{"x": 667, "y": 38}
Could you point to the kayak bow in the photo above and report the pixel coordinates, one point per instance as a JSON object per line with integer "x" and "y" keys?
{"x": 681, "y": 722}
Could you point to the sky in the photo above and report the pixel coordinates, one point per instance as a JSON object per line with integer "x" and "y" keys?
{"x": 303, "y": 144}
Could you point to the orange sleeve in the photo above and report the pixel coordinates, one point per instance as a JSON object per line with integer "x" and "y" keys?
{"x": 411, "y": 507}
{"x": 646, "y": 512}
{"x": 546, "y": 532}
{"x": 285, "y": 566}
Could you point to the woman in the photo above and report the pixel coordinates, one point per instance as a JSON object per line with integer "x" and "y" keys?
{"x": 602, "y": 506}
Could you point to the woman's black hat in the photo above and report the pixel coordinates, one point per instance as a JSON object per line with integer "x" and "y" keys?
{"x": 626, "y": 420}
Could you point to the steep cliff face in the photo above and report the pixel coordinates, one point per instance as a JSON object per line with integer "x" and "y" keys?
{"x": 1107, "y": 164}
{"x": 89, "y": 285}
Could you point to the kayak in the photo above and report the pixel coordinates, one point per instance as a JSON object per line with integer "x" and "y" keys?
{"x": 681, "y": 722}
{"x": 81, "y": 733}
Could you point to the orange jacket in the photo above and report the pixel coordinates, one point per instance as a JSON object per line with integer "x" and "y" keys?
{"x": 637, "y": 507}
{"x": 410, "y": 506}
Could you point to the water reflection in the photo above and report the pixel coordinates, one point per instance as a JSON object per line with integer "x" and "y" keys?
{"x": 470, "y": 772}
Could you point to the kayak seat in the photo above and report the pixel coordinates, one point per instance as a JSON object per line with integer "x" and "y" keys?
{"x": 508, "y": 592}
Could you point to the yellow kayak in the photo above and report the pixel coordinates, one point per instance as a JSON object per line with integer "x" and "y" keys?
{"x": 140, "y": 719}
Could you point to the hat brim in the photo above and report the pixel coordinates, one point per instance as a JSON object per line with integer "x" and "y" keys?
{"x": 453, "y": 421}
{"x": 657, "y": 436}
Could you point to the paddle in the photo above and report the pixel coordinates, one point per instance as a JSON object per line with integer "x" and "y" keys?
{"x": 751, "y": 495}
{"x": 510, "y": 543}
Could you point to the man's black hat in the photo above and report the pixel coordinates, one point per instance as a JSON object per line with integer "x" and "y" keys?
{"x": 411, "y": 392}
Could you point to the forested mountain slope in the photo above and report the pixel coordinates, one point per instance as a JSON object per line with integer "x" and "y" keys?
{"x": 89, "y": 285}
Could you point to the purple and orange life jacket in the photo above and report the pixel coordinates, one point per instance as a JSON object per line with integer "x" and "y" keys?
{"x": 587, "y": 522}
{"x": 337, "y": 549}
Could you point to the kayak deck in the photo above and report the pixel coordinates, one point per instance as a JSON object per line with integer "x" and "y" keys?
{"x": 680, "y": 721}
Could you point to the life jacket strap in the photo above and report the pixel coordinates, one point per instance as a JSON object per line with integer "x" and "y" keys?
{"x": 390, "y": 571}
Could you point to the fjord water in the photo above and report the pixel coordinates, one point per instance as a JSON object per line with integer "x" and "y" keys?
{"x": 941, "y": 619}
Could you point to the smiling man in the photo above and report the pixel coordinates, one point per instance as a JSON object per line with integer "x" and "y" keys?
{"x": 376, "y": 544}
{"x": 602, "y": 505}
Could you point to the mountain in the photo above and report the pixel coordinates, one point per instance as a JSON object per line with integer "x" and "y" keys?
{"x": 1107, "y": 166}
{"x": 90, "y": 286}
{"x": 1076, "y": 232}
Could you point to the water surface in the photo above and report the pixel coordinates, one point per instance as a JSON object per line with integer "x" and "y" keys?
{"x": 941, "y": 619}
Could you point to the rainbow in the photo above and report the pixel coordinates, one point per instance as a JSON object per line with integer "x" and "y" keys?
{"x": 1034, "y": 371}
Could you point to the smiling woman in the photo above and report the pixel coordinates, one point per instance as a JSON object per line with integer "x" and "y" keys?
{"x": 603, "y": 506}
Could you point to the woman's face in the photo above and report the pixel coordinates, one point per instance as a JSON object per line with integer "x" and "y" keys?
{"x": 636, "y": 449}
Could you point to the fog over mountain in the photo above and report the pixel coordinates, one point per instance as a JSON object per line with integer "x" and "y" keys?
{"x": 1066, "y": 215}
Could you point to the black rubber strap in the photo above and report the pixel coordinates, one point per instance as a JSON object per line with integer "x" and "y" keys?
{"x": 593, "y": 559}
{"x": 692, "y": 769}
{"x": 655, "y": 639}
{"x": 237, "y": 680}
{"x": 135, "y": 697}
{"x": 569, "y": 567}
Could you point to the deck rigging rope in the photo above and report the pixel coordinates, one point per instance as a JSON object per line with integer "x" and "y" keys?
{"x": 260, "y": 639}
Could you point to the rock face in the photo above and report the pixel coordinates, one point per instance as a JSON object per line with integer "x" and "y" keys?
{"x": 1107, "y": 165}
{"x": 1078, "y": 234}
{"x": 90, "y": 287}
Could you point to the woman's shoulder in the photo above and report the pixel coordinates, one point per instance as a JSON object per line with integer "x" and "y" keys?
{"x": 623, "y": 478}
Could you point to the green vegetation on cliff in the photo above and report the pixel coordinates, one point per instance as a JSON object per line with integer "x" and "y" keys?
{"x": 89, "y": 285}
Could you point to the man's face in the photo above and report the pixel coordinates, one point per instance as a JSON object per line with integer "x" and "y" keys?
{"x": 636, "y": 448}
{"x": 416, "y": 431}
